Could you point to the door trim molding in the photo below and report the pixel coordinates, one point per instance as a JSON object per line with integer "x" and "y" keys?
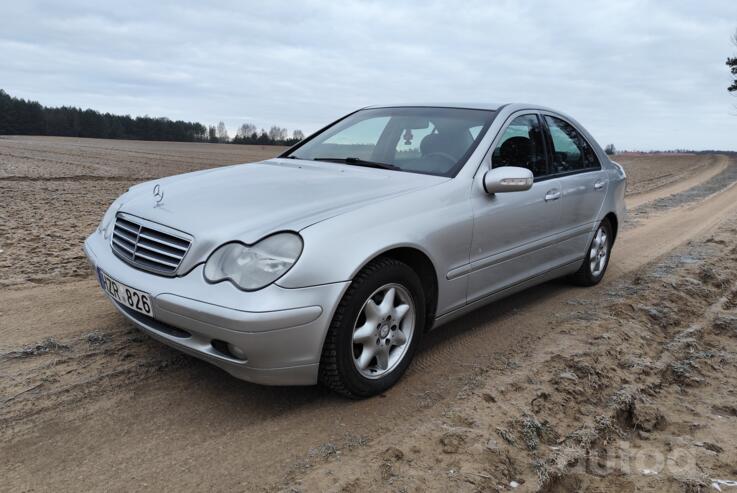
{"x": 550, "y": 274}
{"x": 524, "y": 249}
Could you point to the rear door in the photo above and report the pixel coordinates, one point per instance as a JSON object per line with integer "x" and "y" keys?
{"x": 514, "y": 234}
{"x": 583, "y": 184}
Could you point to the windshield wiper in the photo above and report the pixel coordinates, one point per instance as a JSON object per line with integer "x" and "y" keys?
{"x": 357, "y": 162}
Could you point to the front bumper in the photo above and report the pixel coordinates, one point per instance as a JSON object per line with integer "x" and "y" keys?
{"x": 281, "y": 331}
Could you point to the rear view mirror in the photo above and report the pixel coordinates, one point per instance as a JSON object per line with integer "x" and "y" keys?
{"x": 415, "y": 123}
{"x": 507, "y": 179}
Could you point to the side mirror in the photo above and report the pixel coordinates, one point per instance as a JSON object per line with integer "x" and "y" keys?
{"x": 507, "y": 179}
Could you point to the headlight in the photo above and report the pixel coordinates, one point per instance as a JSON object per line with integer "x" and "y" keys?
{"x": 107, "y": 220}
{"x": 256, "y": 266}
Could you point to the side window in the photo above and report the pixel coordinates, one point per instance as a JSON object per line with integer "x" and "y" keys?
{"x": 522, "y": 145}
{"x": 571, "y": 152}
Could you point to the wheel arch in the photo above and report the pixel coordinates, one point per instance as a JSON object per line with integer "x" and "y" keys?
{"x": 614, "y": 222}
{"x": 421, "y": 263}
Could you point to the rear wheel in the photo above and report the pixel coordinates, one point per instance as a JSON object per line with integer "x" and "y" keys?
{"x": 375, "y": 330}
{"x": 594, "y": 265}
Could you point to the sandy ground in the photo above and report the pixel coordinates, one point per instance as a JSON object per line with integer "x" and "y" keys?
{"x": 629, "y": 385}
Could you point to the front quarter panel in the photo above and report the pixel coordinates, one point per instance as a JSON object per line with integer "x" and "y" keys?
{"x": 436, "y": 220}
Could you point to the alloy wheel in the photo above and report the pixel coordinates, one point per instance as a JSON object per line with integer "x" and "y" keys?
{"x": 599, "y": 252}
{"x": 383, "y": 330}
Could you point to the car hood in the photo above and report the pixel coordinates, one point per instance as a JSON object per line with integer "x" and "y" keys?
{"x": 249, "y": 201}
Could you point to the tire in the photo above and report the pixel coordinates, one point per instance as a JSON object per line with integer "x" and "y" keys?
{"x": 383, "y": 324}
{"x": 591, "y": 273}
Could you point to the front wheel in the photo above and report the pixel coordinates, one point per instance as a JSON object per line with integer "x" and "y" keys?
{"x": 594, "y": 265}
{"x": 375, "y": 330}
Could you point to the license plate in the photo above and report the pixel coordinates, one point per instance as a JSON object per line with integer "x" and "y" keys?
{"x": 126, "y": 295}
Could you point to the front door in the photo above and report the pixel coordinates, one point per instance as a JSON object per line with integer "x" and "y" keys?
{"x": 514, "y": 234}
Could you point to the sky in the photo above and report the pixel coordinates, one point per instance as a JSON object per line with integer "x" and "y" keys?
{"x": 639, "y": 74}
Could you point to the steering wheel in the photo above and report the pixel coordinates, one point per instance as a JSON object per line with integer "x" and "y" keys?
{"x": 444, "y": 155}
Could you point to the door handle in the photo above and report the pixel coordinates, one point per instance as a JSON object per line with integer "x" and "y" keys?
{"x": 553, "y": 194}
{"x": 599, "y": 185}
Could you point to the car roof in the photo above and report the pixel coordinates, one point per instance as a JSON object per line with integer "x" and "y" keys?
{"x": 473, "y": 106}
{"x": 466, "y": 105}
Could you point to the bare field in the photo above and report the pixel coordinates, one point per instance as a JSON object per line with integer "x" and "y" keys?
{"x": 129, "y": 160}
{"x": 626, "y": 386}
{"x": 54, "y": 190}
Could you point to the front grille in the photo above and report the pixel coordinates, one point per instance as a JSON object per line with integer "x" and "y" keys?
{"x": 146, "y": 245}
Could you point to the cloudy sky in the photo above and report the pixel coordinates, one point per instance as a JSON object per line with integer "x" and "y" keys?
{"x": 639, "y": 74}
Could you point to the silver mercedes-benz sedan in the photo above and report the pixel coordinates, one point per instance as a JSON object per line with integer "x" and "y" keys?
{"x": 328, "y": 263}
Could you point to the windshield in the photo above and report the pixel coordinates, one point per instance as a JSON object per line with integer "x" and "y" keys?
{"x": 434, "y": 141}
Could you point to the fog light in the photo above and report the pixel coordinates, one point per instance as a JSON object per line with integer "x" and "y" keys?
{"x": 237, "y": 352}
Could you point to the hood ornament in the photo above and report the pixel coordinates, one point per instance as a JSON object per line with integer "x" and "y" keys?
{"x": 158, "y": 195}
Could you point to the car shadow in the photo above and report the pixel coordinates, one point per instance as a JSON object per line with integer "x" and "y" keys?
{"x": 488, "y": 314}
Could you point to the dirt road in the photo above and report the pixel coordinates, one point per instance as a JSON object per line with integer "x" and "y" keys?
{"x": 87, "y": 403}
{"x": 706, "y": 168}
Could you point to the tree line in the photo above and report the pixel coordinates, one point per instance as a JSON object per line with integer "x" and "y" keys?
{"x": 732, "y": 64}
{"x": 248, "y": 133}
{"x": 24, "y": 117}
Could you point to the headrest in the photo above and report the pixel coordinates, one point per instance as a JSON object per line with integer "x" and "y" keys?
{"x": 515, "y": 151}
